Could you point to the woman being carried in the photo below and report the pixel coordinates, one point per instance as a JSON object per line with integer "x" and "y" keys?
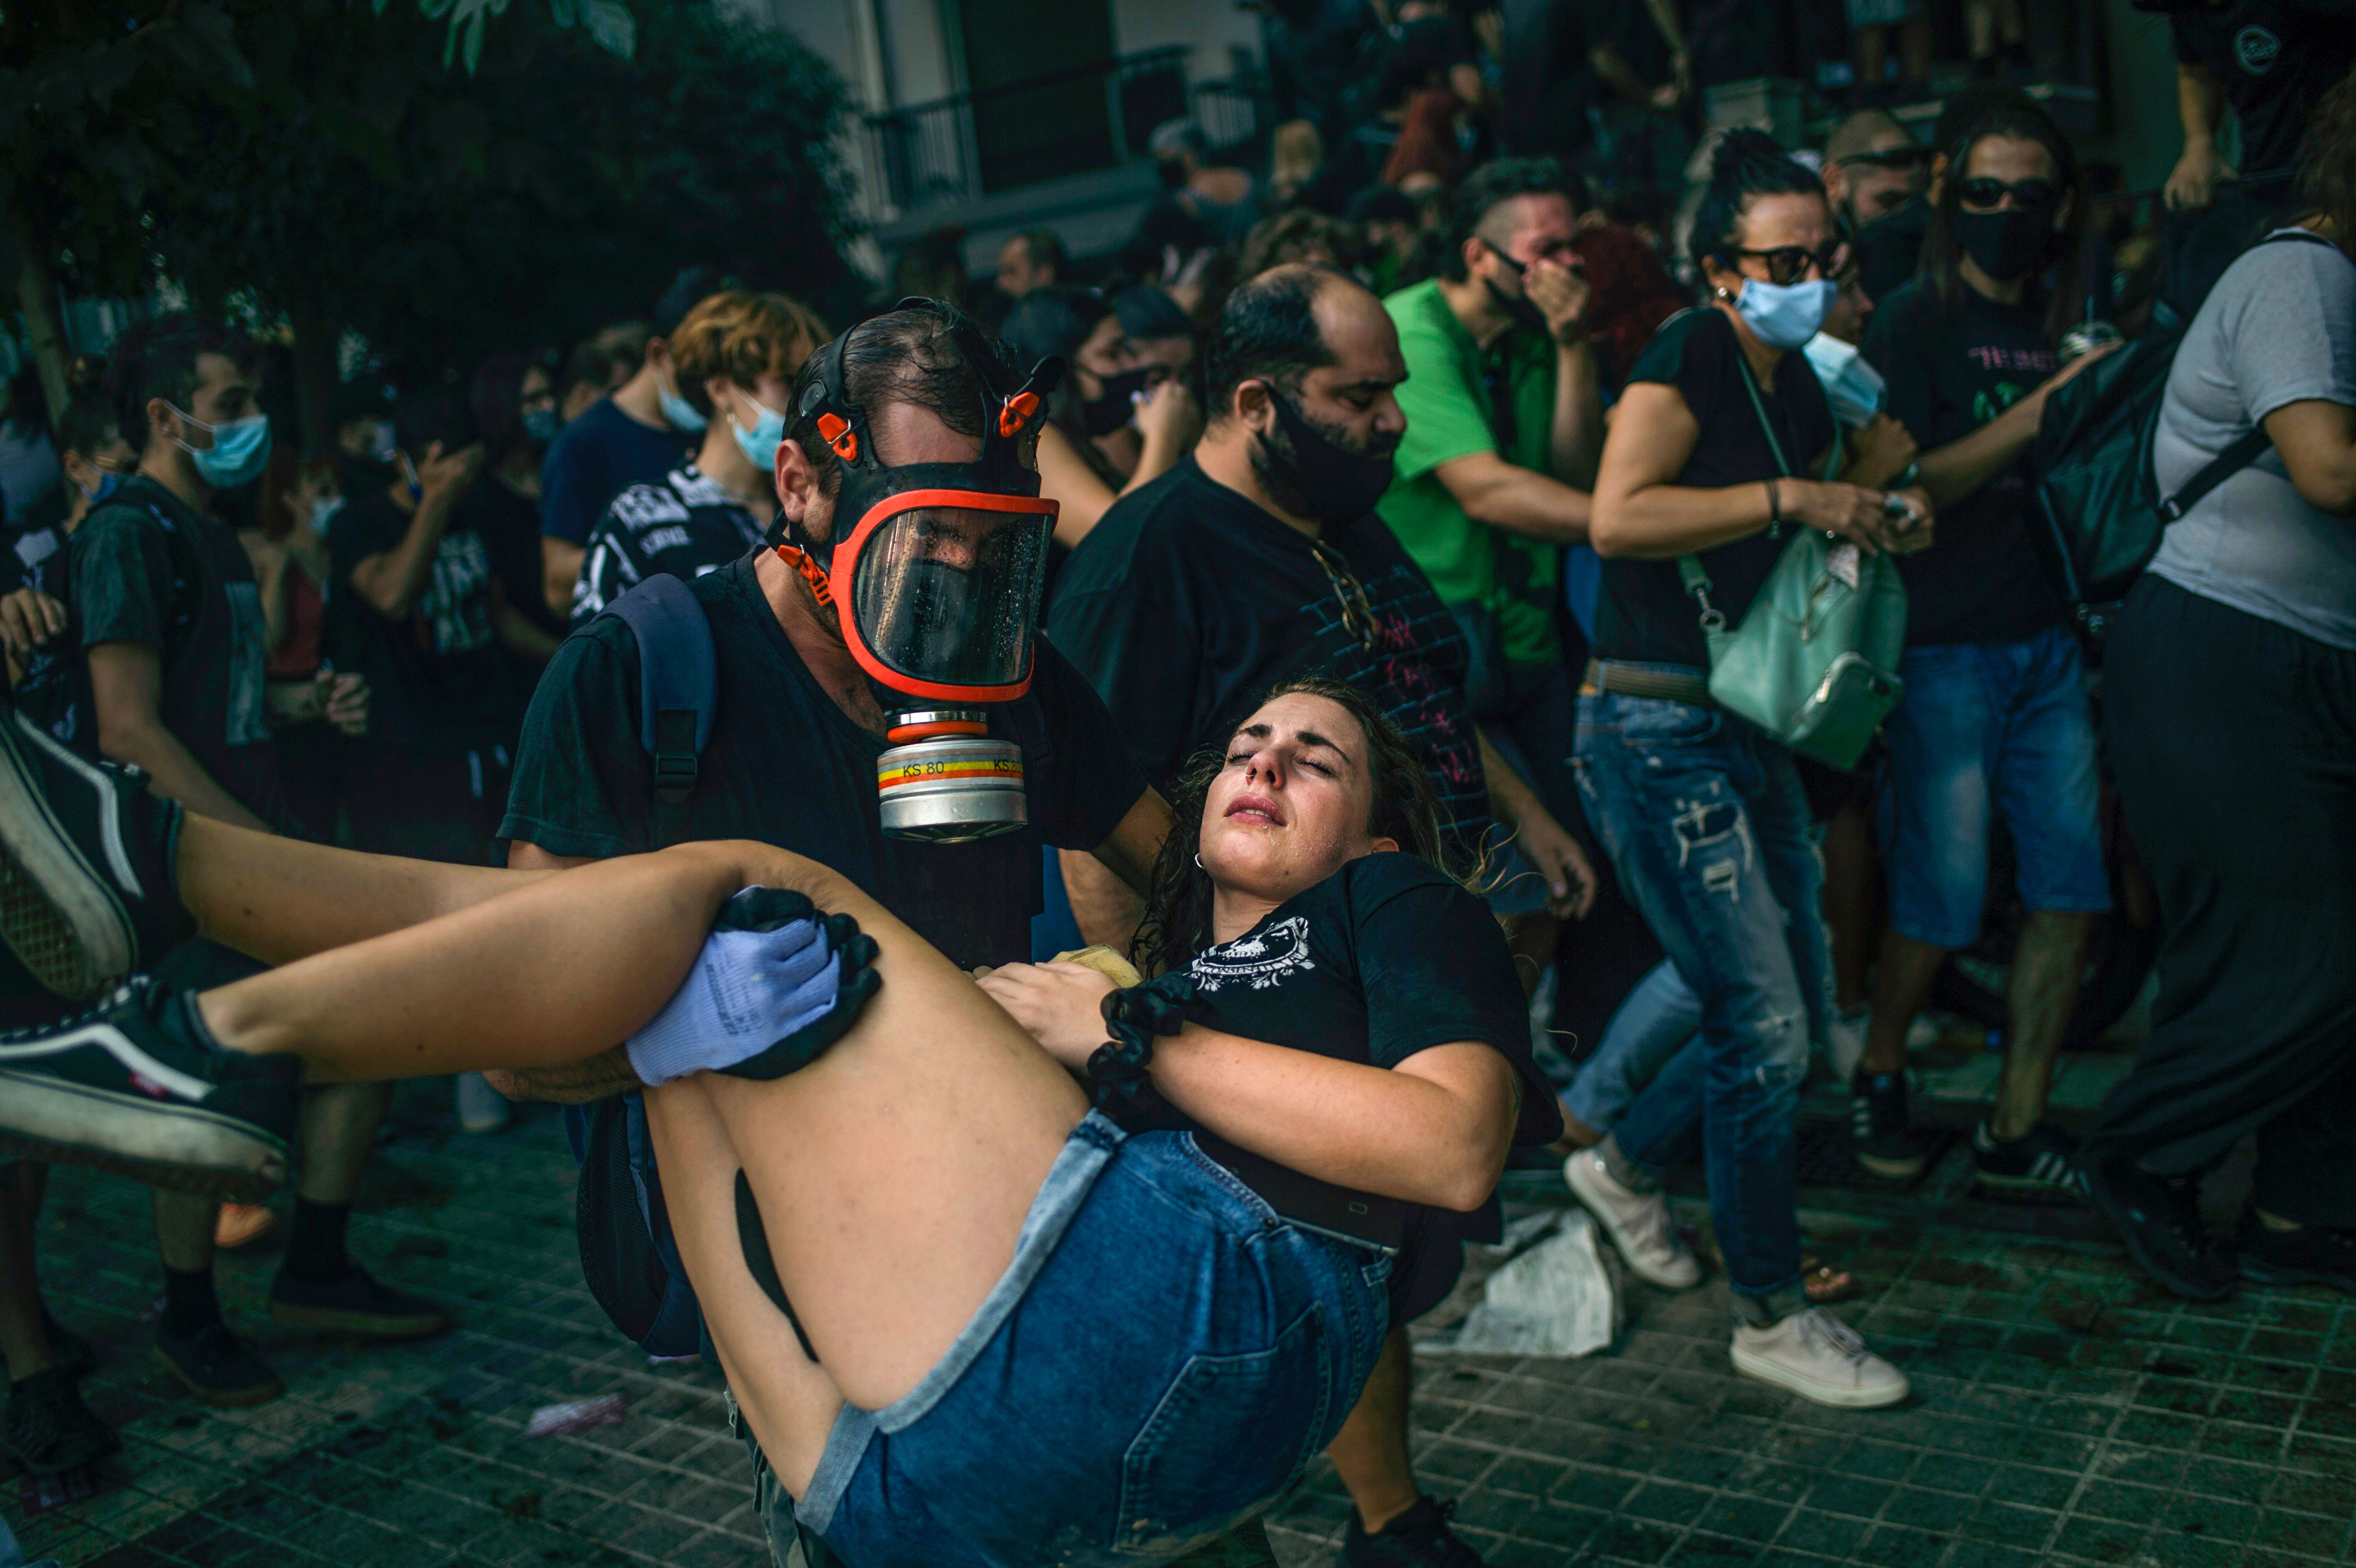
{"x": 964, "y": 1242}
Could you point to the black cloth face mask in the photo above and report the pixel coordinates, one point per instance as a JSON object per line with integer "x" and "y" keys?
{"x": 1113, "y": 410}
{"x": 2008, "y": 243}
{"x": 1320, "y": 477}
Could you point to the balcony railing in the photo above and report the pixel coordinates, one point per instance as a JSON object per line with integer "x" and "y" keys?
{"x": 1079, "y": 121}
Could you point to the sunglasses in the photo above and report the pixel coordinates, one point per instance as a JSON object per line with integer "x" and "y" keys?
{"x": 1985, "y": 194}
{"x": 1889, "y": 158}
{"x": 1790, "y": 263}
{"x": 1357, "y": 611}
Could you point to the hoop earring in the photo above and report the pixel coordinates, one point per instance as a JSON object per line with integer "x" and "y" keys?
{"x": 1198, "y": 862}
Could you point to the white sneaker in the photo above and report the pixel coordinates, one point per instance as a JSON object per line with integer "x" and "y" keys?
{"x": 1637, "y": 1222}
{"x": 1819, "y": 1358}
{"x": 481, "y": 1108}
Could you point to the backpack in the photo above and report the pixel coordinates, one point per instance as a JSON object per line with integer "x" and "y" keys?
{"x": 628, "y": 1253}
{"x": 2096, "y": 490}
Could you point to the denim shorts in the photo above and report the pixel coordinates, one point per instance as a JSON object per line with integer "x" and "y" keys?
{"x": 1160, "y": 1361}
{"x": 2001, "y": 725}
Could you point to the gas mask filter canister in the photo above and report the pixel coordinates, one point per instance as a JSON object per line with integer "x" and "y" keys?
{"x": 937, "y": 584}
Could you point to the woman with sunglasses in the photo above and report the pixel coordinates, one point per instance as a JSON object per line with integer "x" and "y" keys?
{"x": 1716, "y": 450}
{"x": 1994, "y": 714}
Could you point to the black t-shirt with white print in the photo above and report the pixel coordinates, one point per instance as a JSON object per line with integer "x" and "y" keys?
{"x": 1188, "y": 600}
{"x": 684, "y": 525}
{"x": 438, "y": 679}
{"x": 1382, "y": 959}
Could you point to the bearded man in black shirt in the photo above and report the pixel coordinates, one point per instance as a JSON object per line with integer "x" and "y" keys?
{"x": 1259, "y": 559}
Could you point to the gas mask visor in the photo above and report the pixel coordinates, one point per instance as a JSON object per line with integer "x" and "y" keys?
{"x": 943, "y": 593}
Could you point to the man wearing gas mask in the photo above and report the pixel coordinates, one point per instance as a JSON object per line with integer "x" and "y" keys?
{"x": 882, "y": 704}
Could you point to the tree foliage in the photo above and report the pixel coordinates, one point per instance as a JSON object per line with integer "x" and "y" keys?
{"x": 445, "y": 176}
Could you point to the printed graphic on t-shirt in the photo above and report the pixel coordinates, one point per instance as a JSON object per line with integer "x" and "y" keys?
{"x": 685, "y": 526}
{"x": 454, "y": 616}
{"x": 1260, "y": 960}
{"x": 247, "y": 720}
{"x": 1398, "y": 673}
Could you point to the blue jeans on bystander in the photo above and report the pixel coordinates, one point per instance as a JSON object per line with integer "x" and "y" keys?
{"x": 1708, "y": 826}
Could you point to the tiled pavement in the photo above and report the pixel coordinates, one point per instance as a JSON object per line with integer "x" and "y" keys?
{"x": 2064, "y": 1413}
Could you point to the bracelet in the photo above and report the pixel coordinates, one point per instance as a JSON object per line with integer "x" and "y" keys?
{"x": 1120, "y": 1080}
{"x": 1905, "y": 480}
{"x": 1775, "y": 505}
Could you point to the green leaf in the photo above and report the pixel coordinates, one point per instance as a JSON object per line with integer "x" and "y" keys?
{"x": 611, "y": 27}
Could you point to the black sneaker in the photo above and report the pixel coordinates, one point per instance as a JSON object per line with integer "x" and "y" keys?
{"x": 1885, "y": 1135}
{"x": 86, "y": 855}
{"x": 1419, "y": 1538}
{"x": 218, "y": 1367}
{"x": 136, "y": 1085}
{"x": 355, "y": 1303}
{"x": 48, "y": 1429}
{"x": 2159, "y": 1221}
{"x": 2308, "y": 1255}
{"x": 77, "y": 1355}
{"x": 2039, "y": 1161}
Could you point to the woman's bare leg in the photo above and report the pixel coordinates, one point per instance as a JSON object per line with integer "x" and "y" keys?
{"x": 278, "y": 900}
{"x": 893, "y": 1174}
{"x": 553, "y": 970}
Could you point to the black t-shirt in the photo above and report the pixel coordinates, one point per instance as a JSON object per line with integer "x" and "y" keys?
{"x": 1642, "y": 611}
{"x": 55, "y": 692}
{"x": 785, "y": 765}
{"x": 147, "y": 568}
{"x": 2275, "y": 58}
{"x": 594, "y": 459}
{"x": 1950, "y": 372}
{"x": 1385, "y": 959}
{"x": 682, "y": 524}
{"x": 1188, "y": 600}
{"x": 438, "y": 679}
{"x": 510, "y": 524}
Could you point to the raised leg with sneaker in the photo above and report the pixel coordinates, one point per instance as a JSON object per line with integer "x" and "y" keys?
{"x": 1628, "y": 1203}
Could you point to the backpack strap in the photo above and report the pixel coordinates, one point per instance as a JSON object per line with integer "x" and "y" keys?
{"x": 678, "y": 679}
{"x": 2252, "y": 443}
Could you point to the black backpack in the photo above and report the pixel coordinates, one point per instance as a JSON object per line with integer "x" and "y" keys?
{"x": 2096, "y": 490}
{"x": 627, "y": 1255}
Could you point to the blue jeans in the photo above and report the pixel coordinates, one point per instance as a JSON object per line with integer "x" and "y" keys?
{"x": 1655, "y": 1022}
{"x": 1990, "y": 724}
{"x": 1163, "y": 1356}
{"x": 1708, "y": 826}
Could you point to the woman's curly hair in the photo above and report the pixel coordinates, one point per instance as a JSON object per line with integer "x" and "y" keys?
{"x": 1177, "y": 923}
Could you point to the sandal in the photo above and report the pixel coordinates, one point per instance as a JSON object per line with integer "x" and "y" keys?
{"x": 1825, "y": 1283}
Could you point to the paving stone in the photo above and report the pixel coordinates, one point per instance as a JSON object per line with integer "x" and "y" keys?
{"x": 2065, "y": 1412}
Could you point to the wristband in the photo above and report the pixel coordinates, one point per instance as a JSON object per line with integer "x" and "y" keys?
{"x": 1775, "y": 505}
{"x": 1121, "y": 1081}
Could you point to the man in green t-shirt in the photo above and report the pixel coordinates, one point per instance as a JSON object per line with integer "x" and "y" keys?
{"x": 1505, "y": 423}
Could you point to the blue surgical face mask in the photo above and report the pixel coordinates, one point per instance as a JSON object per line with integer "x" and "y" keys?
{"x": 240, "y": 452}
{"x": 677, "y": 411}
{"x": 540, "y": 425}
{"x": 107, "y": 480}
{"x": 759, "y": 444}
{"x": 1853, "y": 386}
{"x": 1785, "y": 316}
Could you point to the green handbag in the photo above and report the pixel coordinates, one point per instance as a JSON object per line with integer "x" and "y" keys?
{"x": 1815, "y": 661}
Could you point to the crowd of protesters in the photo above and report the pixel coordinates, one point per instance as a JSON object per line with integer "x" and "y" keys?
{"x": 1466, "y": 399}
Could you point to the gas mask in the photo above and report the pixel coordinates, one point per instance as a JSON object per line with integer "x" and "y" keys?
{"x": 936, "y": 570}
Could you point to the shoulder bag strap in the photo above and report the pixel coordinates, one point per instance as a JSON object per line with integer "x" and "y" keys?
{"x": 2253, "y": 444}
{"x": 1689, "y": 568}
